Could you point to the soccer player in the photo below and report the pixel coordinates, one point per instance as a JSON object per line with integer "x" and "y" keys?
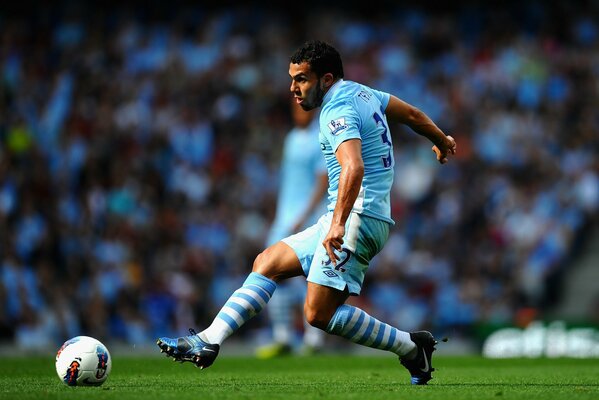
{"x": 302, "y": 188}
{"x": 334, "y": 253}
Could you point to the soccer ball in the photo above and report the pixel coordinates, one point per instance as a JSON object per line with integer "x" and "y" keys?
{"x": 83, "y": 361}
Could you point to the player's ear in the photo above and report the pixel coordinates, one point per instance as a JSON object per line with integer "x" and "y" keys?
{"x": 327, "y": 80}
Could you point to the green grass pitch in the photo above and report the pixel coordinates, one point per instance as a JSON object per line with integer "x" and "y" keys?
{"x": 319, "y": 377}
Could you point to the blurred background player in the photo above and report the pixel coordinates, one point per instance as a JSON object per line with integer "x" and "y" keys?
{"x": 303, "y": 183}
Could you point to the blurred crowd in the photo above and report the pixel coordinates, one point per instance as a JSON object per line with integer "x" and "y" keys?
{"x": 139, "y": 153}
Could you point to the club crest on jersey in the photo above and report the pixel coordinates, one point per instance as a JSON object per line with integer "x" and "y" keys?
{"x": 337, "y": 126}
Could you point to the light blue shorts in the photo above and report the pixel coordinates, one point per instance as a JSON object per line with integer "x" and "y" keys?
{"x": 364, "y": 238}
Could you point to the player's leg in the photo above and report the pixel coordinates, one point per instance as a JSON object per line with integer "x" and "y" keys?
{"x": 272, "y": 265}
{"x": 414, "y": 349}
{"x": 329, "y": 285}
{"x": 325, "y": 309}
{"x": 321, "y": 304}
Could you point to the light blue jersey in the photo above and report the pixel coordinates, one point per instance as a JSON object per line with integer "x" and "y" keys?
{"x": 351, "y": 111}
{"x": 354, "y": 111}
{"x": 301, "y": 164}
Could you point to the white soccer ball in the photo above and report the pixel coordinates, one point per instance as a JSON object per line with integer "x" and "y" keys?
{"x": 83, "y": 361}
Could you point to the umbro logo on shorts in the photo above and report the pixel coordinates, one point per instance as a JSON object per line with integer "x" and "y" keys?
{"x": 329, "y": 273}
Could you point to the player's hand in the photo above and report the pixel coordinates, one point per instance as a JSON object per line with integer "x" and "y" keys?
{"x": 333, "y": 241}
{"x": 445, "y": 149}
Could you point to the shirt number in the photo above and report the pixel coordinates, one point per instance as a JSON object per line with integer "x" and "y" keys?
{"x": 388, "y": 159}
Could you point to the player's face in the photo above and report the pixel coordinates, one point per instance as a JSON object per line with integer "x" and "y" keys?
{"x": 306, "y": 88}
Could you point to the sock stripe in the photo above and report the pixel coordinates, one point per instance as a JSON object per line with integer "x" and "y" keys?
{"x": 253, "y": 295}
{"x": 390, "y": 341}
{"x": 237, "y": 307}
{"x": 363, "y": 325}
{"x": 378, "y": 326}
{"x": 243, "y": 313}
{"x": 228, "y": 319}
{"x": 246, "y": 299}
{"x": 231, "y": 312}
{"x": 244, "y": 303}
{"x": 396, "y": 342}
{"x": 386, "y": 335}
{"x": 366, "y": 336}
{"x": 357, "y": 326}
{"x": 260, "y": 291}
{"x": 352, "y": 318}
{"x": 260, "y": 281}
{"x": 380, "y": 335}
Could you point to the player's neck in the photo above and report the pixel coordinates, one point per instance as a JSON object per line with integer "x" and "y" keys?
{"x": 331, "y": 90}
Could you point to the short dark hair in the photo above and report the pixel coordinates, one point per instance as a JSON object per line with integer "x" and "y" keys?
{"x": 321, "y": 56}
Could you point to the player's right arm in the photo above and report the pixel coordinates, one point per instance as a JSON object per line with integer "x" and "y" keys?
{"x": 349, "y": 156}
{"x": 399, "y": 111}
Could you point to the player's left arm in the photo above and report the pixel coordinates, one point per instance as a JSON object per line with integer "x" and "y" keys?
{"x": 399, "y": 111}
{"x": 349, "y": 156}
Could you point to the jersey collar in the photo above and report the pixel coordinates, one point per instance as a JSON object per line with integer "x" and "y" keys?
{"x": 331, "y": 91}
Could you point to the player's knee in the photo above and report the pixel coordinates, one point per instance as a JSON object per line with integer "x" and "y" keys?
{"x": 316, "y": 317}
{"x": 261, "y": 263}
{"x": 264, "y": 265}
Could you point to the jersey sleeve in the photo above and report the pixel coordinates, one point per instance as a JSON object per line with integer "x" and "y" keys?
{"x": 383, "y": 97}
{"x": 340, "y": 123}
